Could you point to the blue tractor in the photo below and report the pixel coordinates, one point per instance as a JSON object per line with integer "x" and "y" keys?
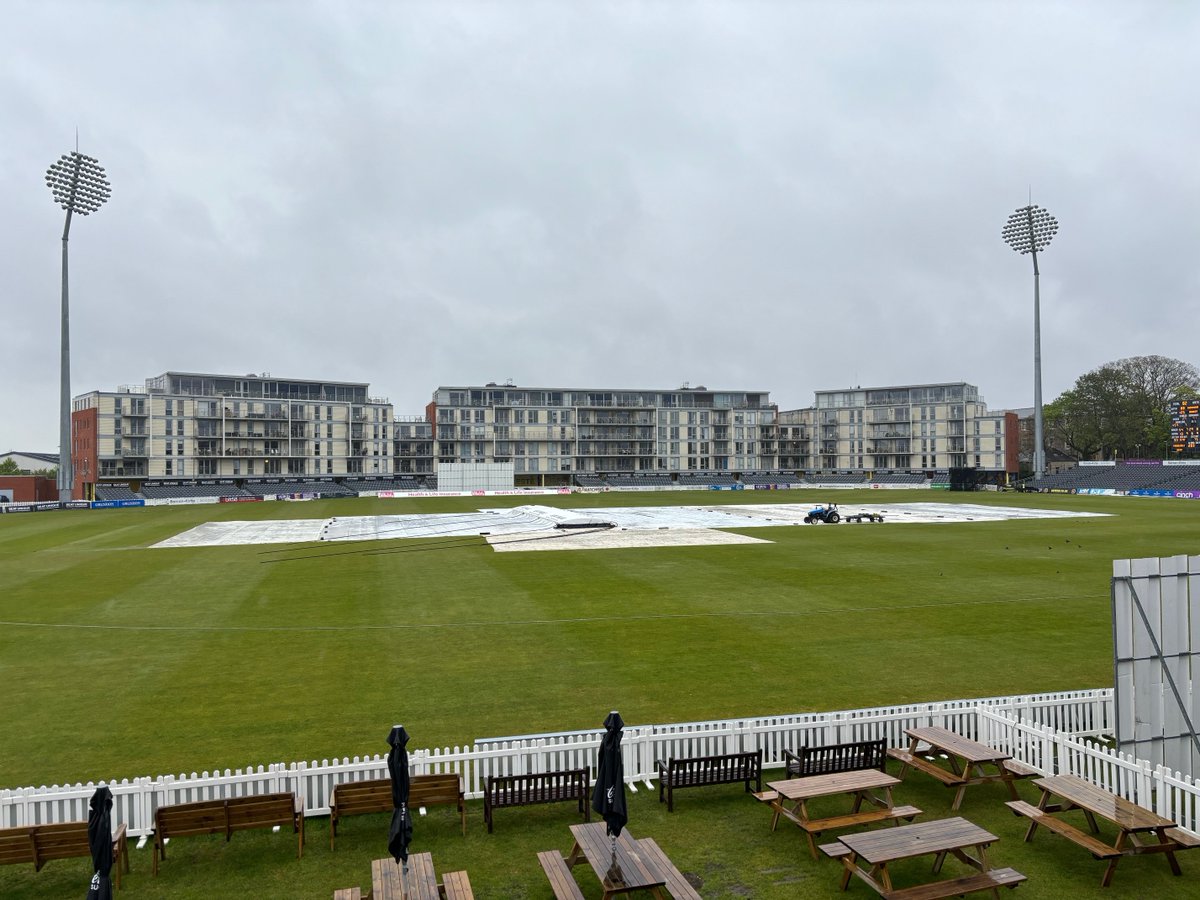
{"x": 823, "y": 512}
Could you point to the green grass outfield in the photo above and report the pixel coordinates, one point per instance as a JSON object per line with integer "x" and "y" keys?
{"x": 129, "y": 661}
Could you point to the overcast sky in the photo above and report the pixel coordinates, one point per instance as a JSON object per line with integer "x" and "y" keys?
{"x": 759, "y": 196}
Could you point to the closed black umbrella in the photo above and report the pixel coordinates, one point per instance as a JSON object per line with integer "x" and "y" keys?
{"x": 608, "y": 797}
{"x": 101, "y": 843}
{"x": 400, "y": 832}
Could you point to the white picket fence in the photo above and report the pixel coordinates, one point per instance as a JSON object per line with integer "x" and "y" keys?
{"x": 1047, "y": 731}
{"x": 1170, "y": 794}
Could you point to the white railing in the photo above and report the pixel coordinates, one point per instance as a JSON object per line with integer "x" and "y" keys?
{"x": 1052, "y": 752}
{"x": 1081, "y": 713}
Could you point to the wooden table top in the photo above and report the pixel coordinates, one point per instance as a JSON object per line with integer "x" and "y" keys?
{"x": 1104, "y": 803}
{"x": 390, "y": 882}
{"x": 956, "y": 744}
{"x": 833, "y": 783}
{"x": 638, "y": 871}
{"x": 905, "y": 841}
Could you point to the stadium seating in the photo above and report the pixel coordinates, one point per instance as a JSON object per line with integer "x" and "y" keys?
{"x": 897, "y": 478}
{"x": 770, "y": 478}
{"x": 703, "y": 479}
{"x": 152, "y": 491}
{"x": 842, "y": 478}
{"x": 115, "y": 492}
{"x": 397, "y": 483}
{"x": 588, "y": 480}
{"x": 324, "y": 488}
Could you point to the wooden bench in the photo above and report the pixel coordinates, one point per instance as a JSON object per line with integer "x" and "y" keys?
{"x": 1185, "y": 839}
{"x": 226, "y": 817}
{"x": 945, "y": 776}
{"x": 677, "y": 886}
{"x": 1037, "y": 817}
{"x": 375, "y": 796}
{"x": 835, "y": 850}
{"x": 1019, "y": 769}
{"x": 895, "y": 814}
{"x": 558, "y": 873}
{"x": 538, "y": 787}
{"x": 698, "y": 771}
{"x": 956, "y": 887}
{"x": 456, "y": 886}
{"x": 350, "y": 893}
{"x": 38, "y": 844}
{"x": 848, "y": 757}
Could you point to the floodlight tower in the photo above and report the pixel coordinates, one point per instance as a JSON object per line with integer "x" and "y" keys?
{"x": 1029, "y": 230}
{"x": 79, "y": 186}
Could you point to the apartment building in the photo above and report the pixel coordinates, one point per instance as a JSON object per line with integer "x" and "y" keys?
{"x": 186, "y": 425}
{"x": 925, "y": 427}
{"x": 551, "y": 433}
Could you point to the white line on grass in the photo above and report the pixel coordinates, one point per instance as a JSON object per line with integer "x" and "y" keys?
{"x": 400, "y": 626}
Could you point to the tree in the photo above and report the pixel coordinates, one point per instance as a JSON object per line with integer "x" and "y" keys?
{"x": 1122, "y": 408}
{"x": 9, "y": 467}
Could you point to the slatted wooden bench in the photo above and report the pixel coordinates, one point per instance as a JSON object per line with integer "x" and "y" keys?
{"x": 375, "y": 796}
{"x": 226, "y": 817}
{"x": 954, "y": 887}
{"x": 677, "y": 886}
{"x": 849, "y": 757}
{"x": 350, "y": 893}
{"x": 699, "y": 771}
{"x": 1093, "y": 845}
{"x": 895, "y": 814}
{"x": 456, "y": 886}
{"x": 537, "y": 787}
{"x": 915, "y": 761}
{"x": 39, "y": 844}
{"x": 957, "y": 887}
{"x": 1019, "y": 769}
{"x": 558, "y": 873}
{"x": 1185, "y": 839}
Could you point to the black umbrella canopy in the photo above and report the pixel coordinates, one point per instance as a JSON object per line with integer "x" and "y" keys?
{"x": 100, "y": 842}
{"x": 608, "y": 797}
{"x": 400, "y": 832}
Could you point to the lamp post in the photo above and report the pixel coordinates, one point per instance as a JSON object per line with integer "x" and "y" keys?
{"x": 79, "y": 186}
{"x": 1029, "y": 230}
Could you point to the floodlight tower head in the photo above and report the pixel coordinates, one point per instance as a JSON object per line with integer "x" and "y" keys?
{"x": 1030, "y": 229}
{"x": 78, "y": 183}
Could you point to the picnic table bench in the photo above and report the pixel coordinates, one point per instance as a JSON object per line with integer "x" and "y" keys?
{"x": 861, "y": 785}
{"x": 1139, "y": 830}
{"x": 944, "y": 837}
{"x": 970, "y": 761}
{"x": 697, "y": 771}
{"x": 38, "y": 844}
{"x": 536, "y": 787}
{"x": 414, "y": 881}
{"x": 226, "y": 816}
{"x": 375, "y": 796}
{"x": 677, "y": 886}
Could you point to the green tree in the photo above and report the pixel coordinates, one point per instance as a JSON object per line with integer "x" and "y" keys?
{"x": 1122, "y": 408}
{"x": 9, "y": 467}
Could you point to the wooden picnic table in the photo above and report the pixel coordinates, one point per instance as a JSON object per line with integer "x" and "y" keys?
{"x": 970, "y": 761}
{"x": 869, "y": 786}
{"x": 1139, "y": 830}
{"x": 866, "y": 855}
{"x": 638, "y": 871}
{"x": 390, "y": 881}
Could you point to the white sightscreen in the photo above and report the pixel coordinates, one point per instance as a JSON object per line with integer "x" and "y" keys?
{"x": 475, "y": 476}
{"x": 1152, "y": 652}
